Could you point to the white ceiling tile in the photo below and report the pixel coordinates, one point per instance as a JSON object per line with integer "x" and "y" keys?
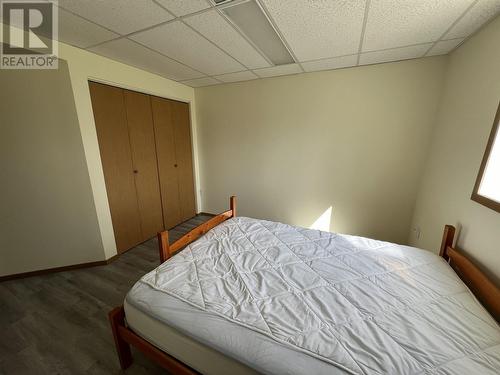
{"x": 183, "y": 7}
{"x": 280, "y": 70}
{"x": 181, "y": 43}
{"x": 333, "y": 63}
{"x": 124, "y": 16}
{"x": 213, "y": 26}
{"x": 237, "y": 77}
{"x": 320, "y": 28}
{"x": 134, "y": 54}
{"x": 397, "y": 23}
{"x": 395, "y": 54}
{"x": 480, "y": 13}
{"x": 81, "y": 33}
{"x": 200, "y": 82}
{"x": 444, "y": 46}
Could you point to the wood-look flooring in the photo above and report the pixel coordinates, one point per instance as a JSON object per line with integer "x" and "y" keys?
{"x": 58, "y": 324}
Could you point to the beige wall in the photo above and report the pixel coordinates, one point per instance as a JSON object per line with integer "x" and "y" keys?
{"x": 351, "y": 139}
{"x": 78, "y": 67}
{"x": 47, "y": 215}
{"x": 467, "y": 110}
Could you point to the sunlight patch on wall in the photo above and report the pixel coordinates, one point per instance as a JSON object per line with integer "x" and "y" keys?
{"x": 323, "y": 222}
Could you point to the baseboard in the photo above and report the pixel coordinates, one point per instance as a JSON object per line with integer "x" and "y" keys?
{"x": 206, "y": 214}
{"x": 58, "y": 269}
{"x": 71, "y": 267}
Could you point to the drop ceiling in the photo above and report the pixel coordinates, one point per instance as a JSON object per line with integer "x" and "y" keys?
{"x": 196, "y": 43}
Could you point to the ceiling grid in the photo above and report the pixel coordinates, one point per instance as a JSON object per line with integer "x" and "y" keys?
{"x": 363, "y": 30}
{"x": 195, "y": 42}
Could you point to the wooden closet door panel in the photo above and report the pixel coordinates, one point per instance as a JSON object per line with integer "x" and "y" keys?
{"x": 165, "y": 153}
{"x": 114, "y": 145}
{"x": 142, "y": 144}
{"x": 183, "y": 152}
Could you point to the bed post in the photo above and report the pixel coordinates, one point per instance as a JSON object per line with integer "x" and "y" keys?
{"x": 164, "y": 246}
{"x": 447, "y": 241}
{"x": 232, "y": 205}
{"x": 117, "y": 319}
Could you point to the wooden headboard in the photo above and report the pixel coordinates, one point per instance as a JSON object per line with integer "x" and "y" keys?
{"x": 483, "y": 288}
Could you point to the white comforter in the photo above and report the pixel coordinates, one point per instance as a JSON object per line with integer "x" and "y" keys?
{"x": 365, "y": 306}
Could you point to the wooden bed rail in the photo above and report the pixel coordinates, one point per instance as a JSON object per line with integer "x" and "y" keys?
{"x": 167, "y": 249}
{"x": 482, "y": 287}
{"x": 124, "y": 337}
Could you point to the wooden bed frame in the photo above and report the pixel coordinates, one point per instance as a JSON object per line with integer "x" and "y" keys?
{"x": 483, "y": 288}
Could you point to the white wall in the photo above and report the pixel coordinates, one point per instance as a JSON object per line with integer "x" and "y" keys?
{"x": 467, "y": 110}
{"x": 84, "y": 66}
{"x": 352, "y": 139}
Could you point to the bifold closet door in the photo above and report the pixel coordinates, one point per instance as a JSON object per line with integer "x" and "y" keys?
{"x": 167, "y": 164}
{"x": 174, "y": 154}
{"x": 142, "y": 145}
{"x": 184, "y": 156}
{"x": 114, "y": 145}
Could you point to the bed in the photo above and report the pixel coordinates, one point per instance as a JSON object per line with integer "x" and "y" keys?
{"x": 245, "y": 296}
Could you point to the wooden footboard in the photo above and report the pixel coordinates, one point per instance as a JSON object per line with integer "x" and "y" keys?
{"x": 167, "y": 249}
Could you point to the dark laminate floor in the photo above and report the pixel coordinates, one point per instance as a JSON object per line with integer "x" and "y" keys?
{"x": 57, "y": 323}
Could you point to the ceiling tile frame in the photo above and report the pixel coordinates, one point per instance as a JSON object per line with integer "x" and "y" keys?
{"x": 214, "y": 44}
{"x": 147, "y": 47}
{"x": 394, "y": 49}
{"x": 188, "y": 53}
{"x": 125, "y": 36}
{"x": 157, "y": 2}
{"x": 475, "y": 14}
{"x": 181, "y": 19}
{"x": 366, "y": 15}
{"x": 92, "y": 22}
{"x": 237, "y": 29}
{"x": 330, "y": 60}
{"x": 191, "y": 82}
{"x": 397, "y": 23}
{"x": 203, "y": 36}
{"x": 202, "y": 75}
{"x": 57, "y": 4}
{"x": 248, "y": 77}
{"x": 448, "y": 44}
{"x": 317, "y": 29}
{"x": 451, "y": 27}
{"x": 363, "y": 29}
{"x": 266, "y": 13}
{"x": 278, "y": 31}
{"x": 63, "y": 14}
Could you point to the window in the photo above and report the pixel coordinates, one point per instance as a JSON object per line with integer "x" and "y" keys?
{"x": 487, "y": 188}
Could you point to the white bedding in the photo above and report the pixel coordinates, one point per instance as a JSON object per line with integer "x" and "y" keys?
{"x": 360, "y": 305}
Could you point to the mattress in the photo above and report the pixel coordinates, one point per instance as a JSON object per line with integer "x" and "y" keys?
{"x": 209, "y": 343}
{"x": 341, "y": 304}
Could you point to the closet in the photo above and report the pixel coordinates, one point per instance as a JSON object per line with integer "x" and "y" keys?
{"x": 146, "y": 154}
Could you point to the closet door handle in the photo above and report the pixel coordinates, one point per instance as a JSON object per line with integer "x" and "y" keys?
{"x": 136, "y": 171}
{"x": 175, "y": 165}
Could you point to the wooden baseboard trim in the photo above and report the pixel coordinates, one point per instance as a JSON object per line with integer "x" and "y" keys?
{"x": 205, "y": 214}
{"x": 73, "y": 266}
{"x": 58, "y": 269}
